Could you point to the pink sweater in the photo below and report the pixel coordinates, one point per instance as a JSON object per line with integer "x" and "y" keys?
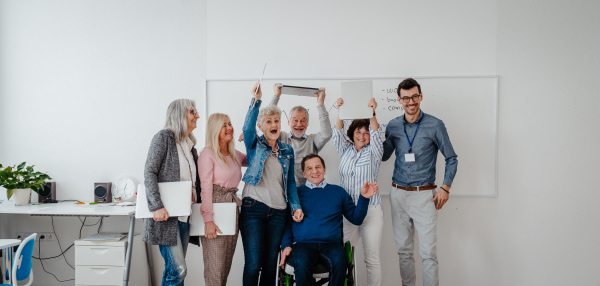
{"x": 212, "y": 173}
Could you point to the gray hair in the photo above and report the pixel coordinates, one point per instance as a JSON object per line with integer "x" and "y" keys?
{"x": 268, "y": 111}
{"x": 299, "y": 108}
{"x": 177, "y": 119}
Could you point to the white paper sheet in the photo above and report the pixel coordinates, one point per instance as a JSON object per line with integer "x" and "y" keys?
{"x": 356, "y": 95}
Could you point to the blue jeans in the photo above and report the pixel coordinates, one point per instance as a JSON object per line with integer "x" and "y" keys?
{"x": 261, "y": 228}
{"x": 305, "y": 256}
{"x": 174, "y": 256}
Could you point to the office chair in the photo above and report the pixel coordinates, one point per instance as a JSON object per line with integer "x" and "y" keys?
{"x": 21, "y": 266}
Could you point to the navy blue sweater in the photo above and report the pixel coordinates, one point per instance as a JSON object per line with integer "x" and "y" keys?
{"x": 323, "y": 209}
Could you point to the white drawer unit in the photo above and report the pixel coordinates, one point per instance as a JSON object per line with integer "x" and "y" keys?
{"x": 99, "y": 275}
{"x": 87, "y": 255}
{"x": 99, "y": 263}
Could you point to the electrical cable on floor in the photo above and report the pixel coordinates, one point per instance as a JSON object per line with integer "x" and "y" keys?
{"x": 62, "y": 253}
{"x": 42, "y": 263}
{"x": 59, "y": 247}
{"x": 82, "y": 225}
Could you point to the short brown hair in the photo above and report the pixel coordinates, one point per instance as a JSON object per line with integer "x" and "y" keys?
{"x": 357, "y": 124}
{"x": 408, "y": 84}
{"x": 311, "y": 156}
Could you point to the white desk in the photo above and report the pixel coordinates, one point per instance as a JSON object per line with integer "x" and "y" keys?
{"x": 6, "y": 244}
{"x": 70, "y": 209}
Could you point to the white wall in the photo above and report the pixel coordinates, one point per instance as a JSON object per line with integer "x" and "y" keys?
{"x": 546, "y": 218}
{"x": 351, "y": 38}
{"x": 65, "y": 68}
{"x": 84, "y": 87}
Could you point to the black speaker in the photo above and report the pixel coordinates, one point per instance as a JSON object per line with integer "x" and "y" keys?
{"x": 102, "y": 192}
{"x": 48, "y": 192}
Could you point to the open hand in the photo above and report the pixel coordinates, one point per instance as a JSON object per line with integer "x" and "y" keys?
{"x": 320, "y": 96}
{"x": 255, "y": 93}
{"x": 160, "y": 215}
{"x": 369, "y": 190}
{"x": 372, "y": 103}
{"x": 284, "y": 254}
{"x": 241, "y": 137}
{"x": 298, "y": 215}
{"x": 211, "y": 229}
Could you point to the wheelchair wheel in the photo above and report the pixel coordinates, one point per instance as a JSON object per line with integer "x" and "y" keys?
{"x": 284, "y": 278}
{"x": 351, "y": 274}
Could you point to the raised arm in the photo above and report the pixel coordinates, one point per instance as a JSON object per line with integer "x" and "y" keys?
{"x": 376, "y": 143}
{"x": 276, "y": 94}
{"x": 339, "y": 124}
{"x": 249, "y": 129}
{"x": 373, "y": 122}
{"x": 325, "y": 134}
{"x": 356, "y": 214}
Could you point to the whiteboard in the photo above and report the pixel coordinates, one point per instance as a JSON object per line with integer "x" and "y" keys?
{"x": 467, "y": 105}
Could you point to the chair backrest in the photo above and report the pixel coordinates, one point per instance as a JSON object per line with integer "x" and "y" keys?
{"x": 22, "y": 261}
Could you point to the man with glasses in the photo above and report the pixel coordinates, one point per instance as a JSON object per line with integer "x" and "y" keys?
{"x": 416, "y": 138}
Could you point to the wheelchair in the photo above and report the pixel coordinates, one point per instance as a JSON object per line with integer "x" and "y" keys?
{"x": 285, "y": 275}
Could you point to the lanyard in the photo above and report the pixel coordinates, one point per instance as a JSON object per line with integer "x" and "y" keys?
{"x": 414, "y": 135}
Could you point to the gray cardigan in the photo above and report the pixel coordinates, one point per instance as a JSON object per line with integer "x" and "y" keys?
{"x": 162, "y": 165}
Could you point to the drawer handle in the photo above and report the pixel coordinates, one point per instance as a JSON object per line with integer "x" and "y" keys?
{"x": 100, "y": 250}
{"x": 100, "y": 271}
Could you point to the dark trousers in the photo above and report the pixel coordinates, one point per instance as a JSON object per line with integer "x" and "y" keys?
{"x": 305, "y": 256}
{"x": 262, "y": 229}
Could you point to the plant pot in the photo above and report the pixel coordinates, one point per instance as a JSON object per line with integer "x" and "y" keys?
{"x": 21, "y": 197}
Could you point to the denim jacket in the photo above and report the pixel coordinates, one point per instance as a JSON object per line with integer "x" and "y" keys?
{"x": 257, "y": 150}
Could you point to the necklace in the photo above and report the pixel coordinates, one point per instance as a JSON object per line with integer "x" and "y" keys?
{"x": 275, "y": 151}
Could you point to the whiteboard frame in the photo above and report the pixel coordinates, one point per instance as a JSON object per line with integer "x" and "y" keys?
{"x": 495, "y": 77}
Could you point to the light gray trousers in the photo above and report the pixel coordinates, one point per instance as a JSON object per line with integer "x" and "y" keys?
{"x": 415, "y": 210}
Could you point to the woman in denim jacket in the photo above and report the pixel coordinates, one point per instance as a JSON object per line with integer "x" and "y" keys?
{"x": 269, "y": 192}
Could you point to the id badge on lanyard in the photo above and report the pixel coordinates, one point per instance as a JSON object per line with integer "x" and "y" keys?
{"x": 410, "y": 156}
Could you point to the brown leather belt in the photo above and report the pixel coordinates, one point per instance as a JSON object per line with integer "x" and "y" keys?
{"x": 421, "y": 188}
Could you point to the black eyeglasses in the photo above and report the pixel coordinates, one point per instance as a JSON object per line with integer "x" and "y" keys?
{"x": 415, "y": 97}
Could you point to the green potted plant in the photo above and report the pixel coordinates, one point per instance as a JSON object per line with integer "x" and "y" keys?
{"x": 20, "y": 180}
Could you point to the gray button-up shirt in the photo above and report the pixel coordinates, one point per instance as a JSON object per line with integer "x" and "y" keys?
{"x": 431, "y": 137}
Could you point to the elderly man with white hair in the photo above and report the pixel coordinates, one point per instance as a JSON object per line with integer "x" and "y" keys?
{"x": 303, "y": 144}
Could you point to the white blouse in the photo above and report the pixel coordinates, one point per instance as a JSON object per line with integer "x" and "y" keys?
{"x": 187, "y": 168}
